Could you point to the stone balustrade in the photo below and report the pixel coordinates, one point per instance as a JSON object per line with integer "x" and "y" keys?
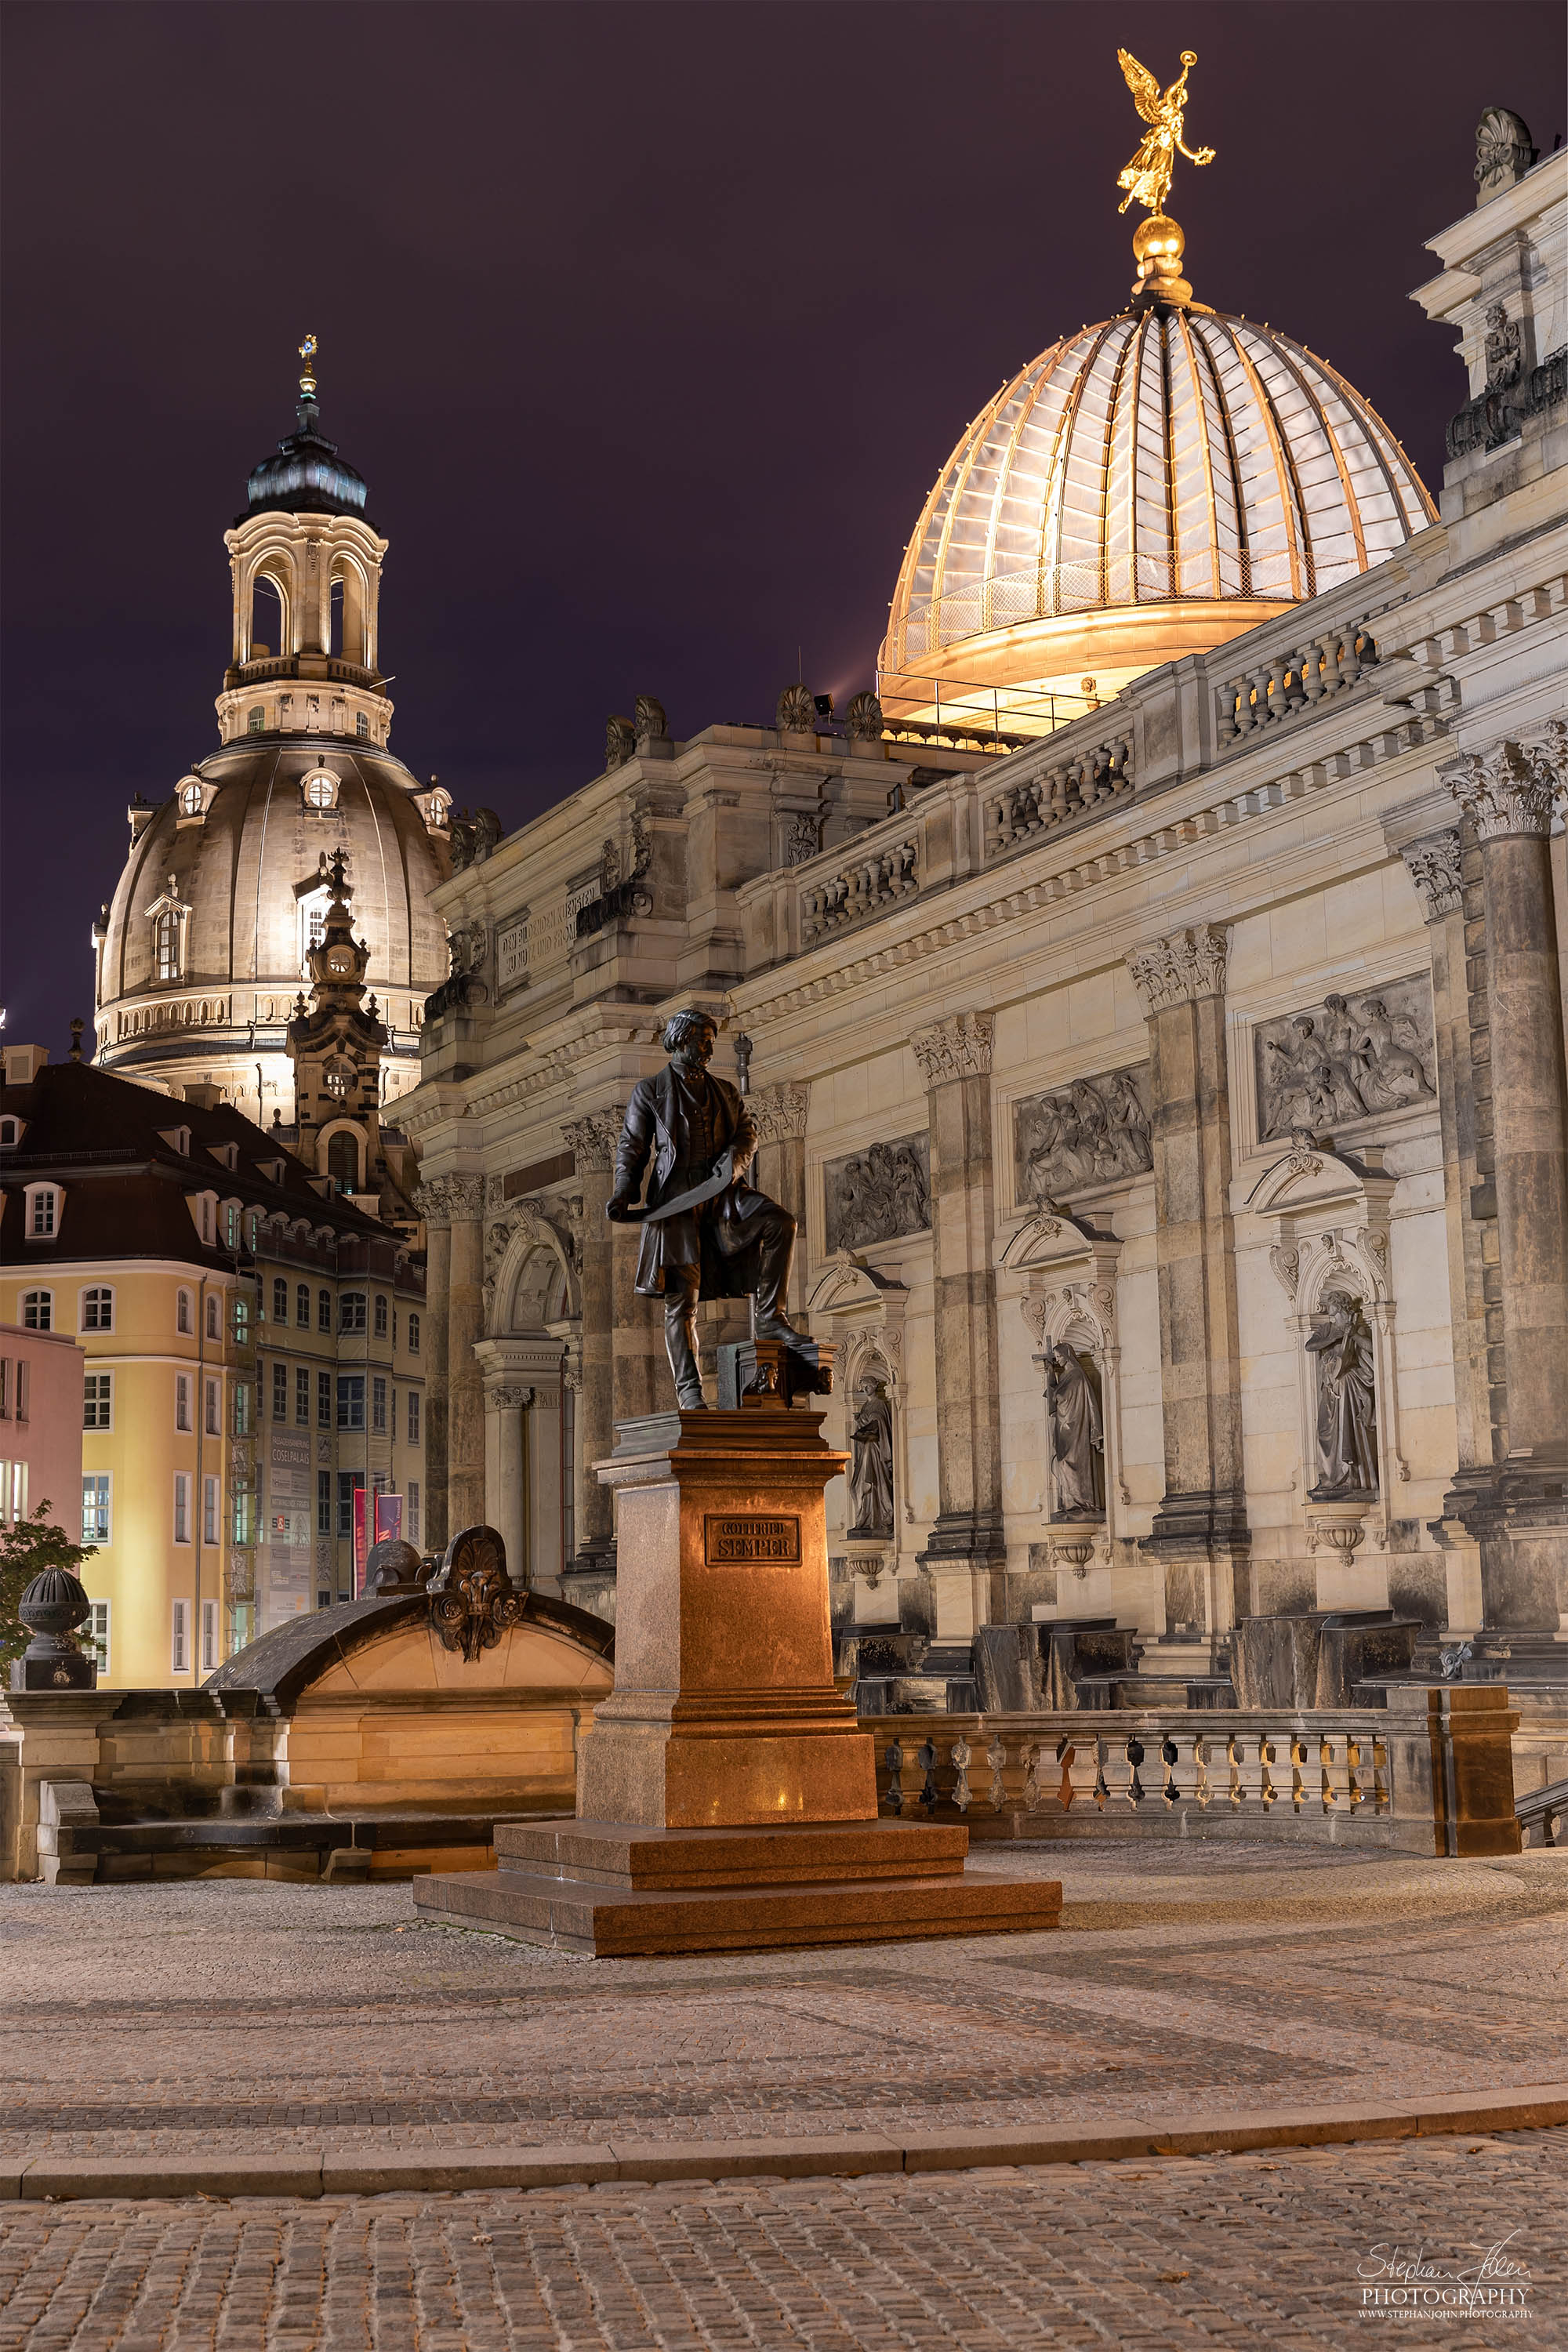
{"x": 1291, "y": 679}
{"x": 1411, "y": 1775}
{"x": 1021, "y": 811}
{"x": 866, "y": 885}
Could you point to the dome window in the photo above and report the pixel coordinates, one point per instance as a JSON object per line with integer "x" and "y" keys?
{"x": 320, "y": 790}
{"x": 254, "y": 720}
{"x": 192, "y": 798}
{"x": 168, "y": 946}
{"x": 361, "y": 726}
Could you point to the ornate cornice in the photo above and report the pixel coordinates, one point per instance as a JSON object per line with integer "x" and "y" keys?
{"x": 1180, "y": 970}
{"x": 1509, "y": 793}
{"x": 446, "y": 1200}
{"x": 1433, "y": 866}
{"x": 959, "y": 1048}
{"x": 778, "y": 1112}
{"x": 592, "y": 1139}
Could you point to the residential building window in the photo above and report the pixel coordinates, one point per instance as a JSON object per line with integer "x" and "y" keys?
{"x": 380, "y": 1316}
{"x": 95, "y": 1509}
{"x": 41, "y": 1213}
{"x": 351, "y": 1400}
{"x": 185, "y": 1314}
{"x": 242, "y": 1409}
{"x": 394, "y": 1329}
{"x": 349, "y": 1484}
{"x": 181, "y": 1400}
{"x": 95, "y": 1633}
{"x": 4, "y": 1388}
{"x": 210, "y": 1494}
{"x": 323, "y": 1502}
{"x": 413, "y": 1499}
{"x": 181, "y": 1506}
{"x": 214, "y": 1317}
{"x": 378, "y": 1403}
{"x": 414, "y": 1335}
{"x": 241, "y": 1320}
{"x": 324, "y": 1310}
{"x": 97, "y": 1310}
{"x": 209, "y": 1637}
{"x": 242, "y": 1523}
{"x": 412, "y": 1416}
{"x": 280, "y": 1300}
{"x": 280, "y": 1391}
{"x": 38, "y": 1310}
{"x": 323, "y": 1400}
{"x": 8, "y": 1130}
{"x": 12, "y": 1492}
{"x": 302, "y": 1307}
{"x": 350, "y": 1311}
{"x": 96, "y": 1405}
{"x": 213, "y": 1419}
{"x": 180, "y": 1638}
{"x": 303, "y": 1396}
{"x": 23, "y": 1389}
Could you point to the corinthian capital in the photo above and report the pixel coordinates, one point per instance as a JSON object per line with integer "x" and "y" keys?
{"x": 1510, "y": 791}
{"x": 778, "y": 1112}
{"x": 592, "y": 1139}
{"x": 1179, "y": 970}
{"x": 446, "y": 1200}
{"x": 1433, "y": 866}
{"x": 959, "y": 1048}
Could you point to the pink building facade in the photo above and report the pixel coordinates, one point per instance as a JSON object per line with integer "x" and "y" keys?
{"x": 42, "y": 1376}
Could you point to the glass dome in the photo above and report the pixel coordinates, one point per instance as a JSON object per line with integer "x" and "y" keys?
{"x": 1145, "y": 489}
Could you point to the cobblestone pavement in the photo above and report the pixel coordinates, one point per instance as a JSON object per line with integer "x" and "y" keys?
{"x": 226, "y": 2015}
{"x": 1277, "y": 2252}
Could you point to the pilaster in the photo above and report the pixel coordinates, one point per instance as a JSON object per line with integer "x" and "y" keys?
{"x": 455, "y": 1204}
{"x": 433, "y": 1202}
{"x": 592, "y": 1139}
{"x": 779, "y": 1116}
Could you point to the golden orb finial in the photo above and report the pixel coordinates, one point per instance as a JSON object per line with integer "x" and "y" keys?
{"x": 1159, "y": 243}
{"x": 308, "y": 350}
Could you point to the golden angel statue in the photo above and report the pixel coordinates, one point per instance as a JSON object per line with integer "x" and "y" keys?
{"x": 1148, "y": 177}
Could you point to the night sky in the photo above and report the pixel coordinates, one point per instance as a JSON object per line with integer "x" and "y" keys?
{"x": 648, "y": 326}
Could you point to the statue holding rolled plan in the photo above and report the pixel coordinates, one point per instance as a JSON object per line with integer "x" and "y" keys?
{"x": 707, "y": 1232}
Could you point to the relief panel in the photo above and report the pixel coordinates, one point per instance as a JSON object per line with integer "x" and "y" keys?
{"x": 879, "y": 1194}
{"x": 1091, "y": 1132}
{"x": 1345, "y": 1059}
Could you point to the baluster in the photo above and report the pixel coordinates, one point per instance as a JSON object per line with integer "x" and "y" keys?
{"x": 1030, "y": 1759}
{"x": 1350, "y": 659}
{"x": 1035, "y": 795}
{"x": 1382, "y": 1788}
{"x": 1203, "y": 1780}
{"x": 810, "y": 914}
{"x": 1170, "y": 1756}
{"x": 1246, "y": 716}
{"x": 1279, "y": 704}
{"x": 959, "y": 1755}
{"x": 1311, "y": 673}
{"x": 1133, "y": 1750}
{"x": 1267, "y": 1759}
{"x": 1298, "y": 1788}
{"x": 1295, "y": 684}
{"x": 996, "y": 1758}
{"x": 925, "y": 1757}
{"x": 1359, "y": 1773}
{"x": 1259, "y": 682}
{"x": 1333, "y": 653}
{"x": 894, "y": 1761}
{"x": 1120, "y": 750}
{"x": 1058, "y": 794}
{"x": 909, "y": 863}
{"x": 1226, "y": 726}
{"x": 1104, "y": 787}
{"x": 1333, "y": 1755}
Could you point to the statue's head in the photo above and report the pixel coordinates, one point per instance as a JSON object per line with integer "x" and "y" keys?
{"x": 1336, "y": 1004}
{"x": 1373, "y": 1009}
{"x": 689, "y": 1040}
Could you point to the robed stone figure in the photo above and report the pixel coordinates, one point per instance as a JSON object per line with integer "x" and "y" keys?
{"x": 1078, "y": 1437}
{"x": 1347, "y": 1399}
{"x": 871, "y": 1464}
{"x": 735, "y": 1243}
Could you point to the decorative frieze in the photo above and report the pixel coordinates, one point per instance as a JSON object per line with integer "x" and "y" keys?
{"x": 448, "y": 1200}
{"x": 779, "y": 1112}
{"x": 877, "y": 1195}
{"x": 1512, "y": 790}
{"x": 512, "y": 953}
{"x": 1433, "y": 866}
{"x": 1091, "y": 1132}
{"x": 1345, "y": 1058}
{"x": 959, "y": 1048}
{"x": 594, "y": 1139}
{"x": 1180, "y": 970}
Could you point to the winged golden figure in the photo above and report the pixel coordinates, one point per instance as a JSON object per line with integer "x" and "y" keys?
{"x": 1147, "y": 177}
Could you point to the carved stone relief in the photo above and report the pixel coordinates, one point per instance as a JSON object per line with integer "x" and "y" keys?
{"x": 1089, "y": 1132}
{"x": 875, "y": 1195}
{"x": 1345, "y": 1059}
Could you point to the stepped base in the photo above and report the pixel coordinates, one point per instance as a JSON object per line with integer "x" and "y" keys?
{"x": 616, "y": 1890}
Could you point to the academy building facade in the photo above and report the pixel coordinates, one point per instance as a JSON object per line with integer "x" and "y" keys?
{"x": 1151, "y": 1004}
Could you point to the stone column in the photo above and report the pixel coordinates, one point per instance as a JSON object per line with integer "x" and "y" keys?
{"x": 1200, "y": 1531}
{"x": 543, "y": 1504}
{"x": 779, "y": 1116}
{"x": 504, "y": 1501}
{"x": 1508, "y": 795}
{"x": 593, "y": 1140}
{"x": 465, "y": 1382}
{"x": 433, "y": 1202}
{"x": 967, "y": 1552}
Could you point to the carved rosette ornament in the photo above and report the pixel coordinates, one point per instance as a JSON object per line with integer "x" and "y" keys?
{"x": 1434, "y": 866}
{"x": 1510, "y": 792}
{"x": 778, "y": 1113}
{"x": 448, "y": 1200}
{"x": 796, "y": 712}
{"x": 1178, "y": 970}
{"x": 959, "y": 1048}
{"x": 591, "y": 1139}
{"x": 472, "y": 1601}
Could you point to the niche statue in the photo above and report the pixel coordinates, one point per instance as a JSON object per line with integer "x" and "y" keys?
{"x": 707, "y": 1234}
{"x": 1078, "y": 1438}
{"x": 871, "y": 1463}
{"x": 1347, "y": 1399}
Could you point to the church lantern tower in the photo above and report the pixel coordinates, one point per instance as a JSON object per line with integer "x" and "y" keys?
{"x": 335, "y": 1044}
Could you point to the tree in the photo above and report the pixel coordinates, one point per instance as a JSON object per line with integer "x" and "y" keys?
{"x": 27, "y": 1547}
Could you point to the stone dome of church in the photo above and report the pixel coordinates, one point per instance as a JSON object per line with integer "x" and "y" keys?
{"x": 1143, "y": 490}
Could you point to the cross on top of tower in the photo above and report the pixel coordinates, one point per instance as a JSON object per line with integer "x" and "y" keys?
{"x": 308, "y": 350}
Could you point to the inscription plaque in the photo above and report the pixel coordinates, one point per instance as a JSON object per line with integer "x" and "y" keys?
{"x": 734, "y": 1537}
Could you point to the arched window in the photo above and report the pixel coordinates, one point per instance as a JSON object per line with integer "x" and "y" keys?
{"x": 361, "y": 726}
{"x": 343, "y": 1166}
{"x": 280, "y": 1300}
{"x": 98, "y": 1309}
{"x": 166, "y": 944}
{"x": 414, "y": 1335}
{"x": 302, "y": 1306}
{"x": 254, "y": 720}
{"x": 38, "y": 1310}
{"x": 321, "y": 787}
{"x": 324, "y": 1310}
{"x": 380, "y": 1315}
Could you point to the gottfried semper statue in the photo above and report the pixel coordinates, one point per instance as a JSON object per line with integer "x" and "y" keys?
{"x": 707, "y": 1234}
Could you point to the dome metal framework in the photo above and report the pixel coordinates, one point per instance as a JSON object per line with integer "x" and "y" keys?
{"x": 1170, "y": 458}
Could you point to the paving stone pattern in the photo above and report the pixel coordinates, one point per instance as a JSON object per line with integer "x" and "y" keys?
{"x": 1232, "y": 2251}
{"x": 218, "y": 2016}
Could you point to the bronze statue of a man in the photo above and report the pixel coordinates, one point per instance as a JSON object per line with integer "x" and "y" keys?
{"x": 734, "y": 1241}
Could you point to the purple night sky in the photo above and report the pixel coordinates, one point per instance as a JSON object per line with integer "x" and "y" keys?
{"x": 649, "y": 327}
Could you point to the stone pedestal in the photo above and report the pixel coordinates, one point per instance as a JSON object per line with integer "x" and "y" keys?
{"x": 726, "y": 1795}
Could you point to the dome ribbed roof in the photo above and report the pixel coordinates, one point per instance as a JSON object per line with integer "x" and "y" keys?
{"x": 1159, "y": 457}
{"x": 305, "y": 476}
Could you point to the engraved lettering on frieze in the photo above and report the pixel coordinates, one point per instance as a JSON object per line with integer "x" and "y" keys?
{"x": 740, "y": 1538}
{"x": 1345, "y": 1058}
{"x": 512, "y": 953}
{"x": 1093, "y": 1131}
{"x": 879, "y": 1194}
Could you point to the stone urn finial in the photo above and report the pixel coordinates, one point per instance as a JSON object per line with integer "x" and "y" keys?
{"x": 51, "y": 1608}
